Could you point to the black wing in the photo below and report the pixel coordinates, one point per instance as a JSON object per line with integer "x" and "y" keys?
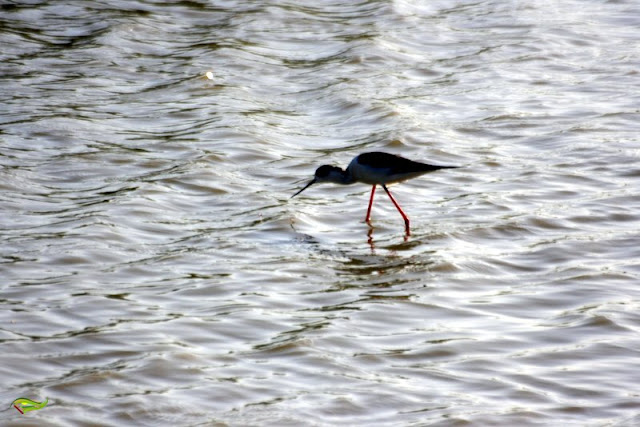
{"x": 396, "y": 164}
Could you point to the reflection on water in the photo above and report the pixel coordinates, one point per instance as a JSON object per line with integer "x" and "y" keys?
{"x": 154, "y": 269}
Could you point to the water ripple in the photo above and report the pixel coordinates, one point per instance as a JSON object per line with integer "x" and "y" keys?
{"x": 155, "y": 270}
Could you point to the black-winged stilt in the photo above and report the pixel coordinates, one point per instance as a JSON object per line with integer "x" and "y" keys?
{"x": 375, "y": 168}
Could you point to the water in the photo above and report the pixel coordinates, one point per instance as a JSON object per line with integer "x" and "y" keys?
{"x": 155, "y": 272}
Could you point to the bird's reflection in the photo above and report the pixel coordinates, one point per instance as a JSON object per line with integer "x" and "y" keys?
{"x": 371, "y": 241}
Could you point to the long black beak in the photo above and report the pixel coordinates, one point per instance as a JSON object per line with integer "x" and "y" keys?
{"x": 313, "y": 181}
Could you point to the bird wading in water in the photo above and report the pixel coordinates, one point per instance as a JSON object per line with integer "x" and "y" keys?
{"x": 375, "y": 168}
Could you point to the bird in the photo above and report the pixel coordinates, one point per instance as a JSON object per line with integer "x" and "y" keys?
{"x": 375, "y": 168}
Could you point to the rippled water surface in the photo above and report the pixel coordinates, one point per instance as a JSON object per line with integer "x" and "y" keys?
{"x": 156, "y": 272}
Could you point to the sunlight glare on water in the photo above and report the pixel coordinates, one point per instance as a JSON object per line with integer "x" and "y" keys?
{"x": 155, "y": 269}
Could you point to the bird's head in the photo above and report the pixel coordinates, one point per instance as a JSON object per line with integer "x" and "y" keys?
{"x": 325, "y": 173}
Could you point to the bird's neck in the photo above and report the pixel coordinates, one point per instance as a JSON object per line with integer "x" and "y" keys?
{"x": 340, "y": 176}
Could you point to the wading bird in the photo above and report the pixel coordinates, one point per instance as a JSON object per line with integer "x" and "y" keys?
{"x": 375, "y": 168}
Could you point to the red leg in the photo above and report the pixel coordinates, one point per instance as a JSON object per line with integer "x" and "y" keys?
{"x": 368, "y": 217}
{"x": 404, "y": 216}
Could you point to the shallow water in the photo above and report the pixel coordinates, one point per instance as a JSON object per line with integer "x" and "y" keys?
{"x": 155, "y": 270}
